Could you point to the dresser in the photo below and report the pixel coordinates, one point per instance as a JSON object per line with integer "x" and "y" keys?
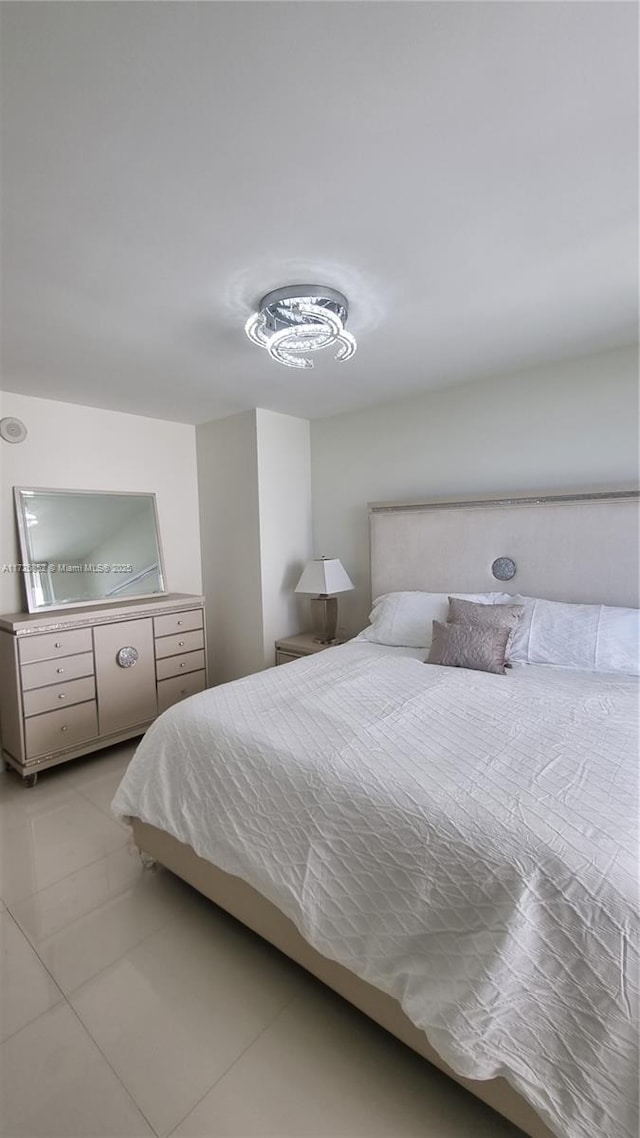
{"x": 77, "y": 679}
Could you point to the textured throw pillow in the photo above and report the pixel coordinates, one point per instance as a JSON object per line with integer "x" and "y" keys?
{"x": 489, "y": 616}
{"x": 469, "y": 646}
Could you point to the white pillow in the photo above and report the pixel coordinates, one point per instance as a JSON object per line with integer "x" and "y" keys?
{"x": 593, "y": 638}
{"x": 405, "y": 620}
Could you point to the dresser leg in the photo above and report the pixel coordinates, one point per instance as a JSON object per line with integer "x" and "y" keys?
{"x": 30, "y": 779}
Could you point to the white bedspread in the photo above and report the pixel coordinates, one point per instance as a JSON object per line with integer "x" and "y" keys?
{"x": 465, "y": 842}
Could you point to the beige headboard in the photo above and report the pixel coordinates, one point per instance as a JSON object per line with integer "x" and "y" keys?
{"x": 566, "y": 547}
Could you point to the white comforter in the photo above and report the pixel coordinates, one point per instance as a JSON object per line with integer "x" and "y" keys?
{"x": 465, "y": 842}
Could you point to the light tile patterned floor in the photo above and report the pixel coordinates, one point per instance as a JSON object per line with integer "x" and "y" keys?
{"x": 131, "y": 1006}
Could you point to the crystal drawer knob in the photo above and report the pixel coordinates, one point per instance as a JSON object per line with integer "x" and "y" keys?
{"x": 183, "y": 665}
{"x": 62, "y": 696}
{"x": 127, "y": 657}
{"x": 59, "y": 671}
{"x": 63, "y": 728}
{"x": 181, "y": 644}
{"x": 58, "y": 644}
{"x": 179, "y": 623}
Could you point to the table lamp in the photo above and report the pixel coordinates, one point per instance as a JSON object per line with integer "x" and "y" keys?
{"x": 324, "y": 576}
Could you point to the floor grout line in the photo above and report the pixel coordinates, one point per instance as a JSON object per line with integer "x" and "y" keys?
{"x": 67, "y": 927}
{"x": 29, "y": 1023}
{"x": 72, "y": 991}
{"x": 238, "y": 1057}
{"x": 58, "y": 1003}
{"x": 111, "y": 1068}
{"x": 271, "y": 1022}
{"x": 138, "y": 944}
{"x": 59, "y": 880}
{"x": 49, "y": 974}
{"x": 65, "y": 998}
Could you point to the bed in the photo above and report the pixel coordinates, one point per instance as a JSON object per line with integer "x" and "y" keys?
{"x": 445, "y": 848}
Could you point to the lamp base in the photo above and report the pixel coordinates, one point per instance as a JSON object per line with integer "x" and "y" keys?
{"x": 324, "y": 618}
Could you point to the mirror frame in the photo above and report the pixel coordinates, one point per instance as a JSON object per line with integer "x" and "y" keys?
{"x": 97, "y": 602}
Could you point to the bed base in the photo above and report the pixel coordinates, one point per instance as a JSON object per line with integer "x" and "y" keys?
{"x": 251, "y": 909}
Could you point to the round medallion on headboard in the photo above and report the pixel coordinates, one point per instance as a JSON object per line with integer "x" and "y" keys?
{"x": 503, "y": 568}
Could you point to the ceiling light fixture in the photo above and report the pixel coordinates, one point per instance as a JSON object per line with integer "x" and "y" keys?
{"x": 293, "y": 321}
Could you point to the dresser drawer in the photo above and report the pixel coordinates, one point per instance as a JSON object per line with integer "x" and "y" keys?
{"x": 180, "y": 643}
{"x": 176, "y": 665}
{"x": 177, "y": 622}
{"x": 59, "y": 730}
{"x": 285, "y": 657}
{"x": 56, "y": 671}
{"x": 49, "y": 699}
{"x": 179, "y": 687}
{"x": 53, "y": 644}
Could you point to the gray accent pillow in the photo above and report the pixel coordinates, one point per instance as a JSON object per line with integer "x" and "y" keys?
{"x": 469, "y": 646}
{"x": 489, "y": 616}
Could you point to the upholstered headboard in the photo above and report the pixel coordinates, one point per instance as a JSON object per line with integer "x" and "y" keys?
{"x": 565, "y": 547}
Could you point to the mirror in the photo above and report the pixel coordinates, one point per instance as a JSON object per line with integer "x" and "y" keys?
{"x": 82, "y": 547}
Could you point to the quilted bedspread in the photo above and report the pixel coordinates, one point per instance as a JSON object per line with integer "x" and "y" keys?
{"x": 465, "y": 842}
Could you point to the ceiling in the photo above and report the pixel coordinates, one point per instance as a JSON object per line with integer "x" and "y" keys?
{"x": 464, "y": 172}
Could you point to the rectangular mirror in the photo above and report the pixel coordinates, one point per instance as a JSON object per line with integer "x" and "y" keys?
{"x": 81, "y": 547}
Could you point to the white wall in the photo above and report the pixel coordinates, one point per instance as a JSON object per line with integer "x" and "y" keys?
{"x": 230, "y": 541}
{"x": 85, "y": 448}
{"x": 572, "y": 425}
{"x": 255, "y": 524}
{"x": 284, "y": 479}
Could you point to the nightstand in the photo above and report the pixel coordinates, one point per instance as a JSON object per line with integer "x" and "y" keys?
{"x": 293, "y": 647}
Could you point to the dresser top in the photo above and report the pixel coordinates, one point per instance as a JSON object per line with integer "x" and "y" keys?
{"x": 81, "y": 616}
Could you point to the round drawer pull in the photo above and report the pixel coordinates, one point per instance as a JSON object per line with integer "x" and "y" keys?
{"x": 58, "y": 644}
{"x": 181, "y": 644}
{"x": 63, "y": 728}
{"x": 59, "y": 671}
{"x": 179, "y": 623}
{"x": 127, "y": 657}
{"x": 183, "y": 665}
{"x": 62, "y": 696}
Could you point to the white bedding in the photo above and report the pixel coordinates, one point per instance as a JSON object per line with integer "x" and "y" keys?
{"x": 465, "y": 842}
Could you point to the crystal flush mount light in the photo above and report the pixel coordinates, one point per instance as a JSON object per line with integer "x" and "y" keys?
{"x": 293, "y": 321}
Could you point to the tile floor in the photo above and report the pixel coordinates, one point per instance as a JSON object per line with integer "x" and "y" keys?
{"x": 131, "y": 1006}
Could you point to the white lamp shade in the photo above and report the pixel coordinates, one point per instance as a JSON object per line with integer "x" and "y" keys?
{"x": 324, "y": 575}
